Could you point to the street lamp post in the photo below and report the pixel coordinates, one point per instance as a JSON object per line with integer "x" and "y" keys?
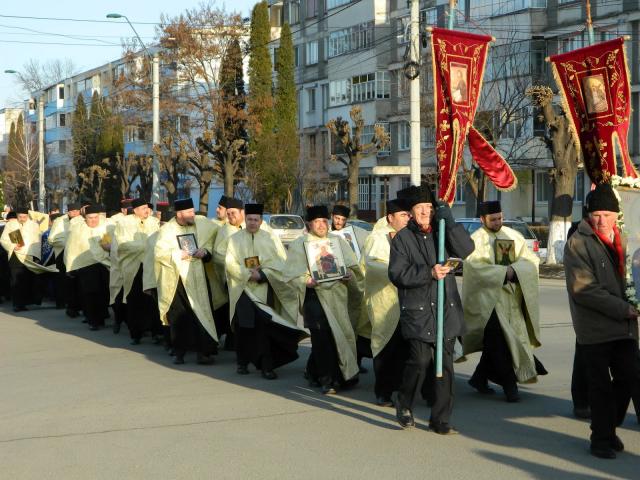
{"x": 155, "y": 73}
{"x": 41, "y": 180}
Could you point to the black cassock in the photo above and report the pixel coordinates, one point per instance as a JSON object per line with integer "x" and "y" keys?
{"x": 24, "y": 284}
{"x": 141, "y": 310}
{"x": 94, "y": 286}
{"x": 261, "y": 341}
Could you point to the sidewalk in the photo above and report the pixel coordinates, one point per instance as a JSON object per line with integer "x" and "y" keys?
{"x": 555, "y": 272}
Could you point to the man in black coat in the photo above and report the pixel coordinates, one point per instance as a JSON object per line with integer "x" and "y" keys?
{"x": 414, "y": 270}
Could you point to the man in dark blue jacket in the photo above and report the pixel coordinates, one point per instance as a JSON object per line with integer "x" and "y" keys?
{"x": 414, "y": 270}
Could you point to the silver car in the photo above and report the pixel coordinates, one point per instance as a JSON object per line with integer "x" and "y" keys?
{"x": 287, "y": 227}
{"x": 472, "y": 224}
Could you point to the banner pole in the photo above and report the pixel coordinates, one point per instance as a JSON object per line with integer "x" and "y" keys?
{"x": 591, "y": 35}
{"x": 452, "y": 13}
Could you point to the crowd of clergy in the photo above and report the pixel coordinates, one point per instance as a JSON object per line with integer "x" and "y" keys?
{"x": 196, "y": 285}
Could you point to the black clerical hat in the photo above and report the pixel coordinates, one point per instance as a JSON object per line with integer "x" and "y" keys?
{"x": 22, "y": 210}
{"x": 183, "y": 204}
{"x": 235, "y": 203}
{"x": 11, "y": 215}
{"x": 125, "y": 202}
{"x": 397, "y": 205}
{"x": 253, "y": 209}
{"x": 73, "y": 206}
{"x": 342, "y": 210}
{"x": 489, "y": 208}
{"x": 317, "y": 211}
{"x": 162, "y": 206}
{"x": 138, "y": 202}
{"x": 166, "y": 215}
{"x": 223, "y": 201}
{"x": 414, "y": 195}
{"x": 97, "y": 208}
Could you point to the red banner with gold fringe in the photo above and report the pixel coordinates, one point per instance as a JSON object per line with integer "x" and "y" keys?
{"x": 594, "y": 83}
{"x": 458, "y": 67}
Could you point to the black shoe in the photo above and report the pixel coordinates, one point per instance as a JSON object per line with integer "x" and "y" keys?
{"x": 93, "y": 328}
{"x": 116, "y": 327}
{"x": 242, "y": 370}
{"x": 269, "y": 375}
{"x": 617, "y": 444}
{"x": 403, "y": 415}
{"x": 135, "y": 341}
{"x": 603, "y": 452}
{"x": 383, "y": 401}
{"x": 442, "y": 428}
{"x": 205, "y": 359}
{"x": 582, "y": 412}
{"x": 328, "y": 389}
{"x": 511, "y": 393}
{"x": 480, "y": 386}
{"x": 20, "y": 309}
{"x": 71, "y": 313}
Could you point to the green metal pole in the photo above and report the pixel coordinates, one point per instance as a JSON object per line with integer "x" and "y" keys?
{"x": 452, "y": 13}
{"x": 440, "y": 325}
{"x": 592, "y": 38}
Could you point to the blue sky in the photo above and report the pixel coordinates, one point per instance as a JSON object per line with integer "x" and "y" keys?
{"x": 88, "y": 44}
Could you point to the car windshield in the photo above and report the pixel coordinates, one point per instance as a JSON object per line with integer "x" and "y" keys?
{"x": 284, "y": 222}
{"x": 522, "y": 229}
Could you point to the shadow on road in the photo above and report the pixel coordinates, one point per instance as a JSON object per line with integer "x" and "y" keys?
{"x": 487, "y": 419}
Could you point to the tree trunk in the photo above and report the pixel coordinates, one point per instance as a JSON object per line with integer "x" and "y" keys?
{"x": 228, "y": 175}
{"x": 352, "y": 183}
{"x": 204, "y": 197}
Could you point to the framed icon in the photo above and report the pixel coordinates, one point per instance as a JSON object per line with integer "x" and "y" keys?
{"x": 350, "y": 237}
{"x": 505, "y": 251}
{"x": 325, "y": 259}
{"x": 595, "y": 94}
{"x": 458, "y": 80}
{"x": 187, "y": 242}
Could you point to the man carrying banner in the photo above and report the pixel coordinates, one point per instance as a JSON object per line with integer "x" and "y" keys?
{"x": 500, "y": 297}
{"x": 183, "y": 247}
{"x": 131, "y": 235}
{"x": 265, "y": 335}
{"x": 381, "y": 303}
{"x": 333, "y": 361}
{"x": 414, "y": 270}
{"x": 87, "y": 260}
{"x": 606, "y": 324}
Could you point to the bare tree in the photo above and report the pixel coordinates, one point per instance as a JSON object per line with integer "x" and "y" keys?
{"x": 566, "y": 160}
{"x": 349, "y": 135}
{"x": 36, "y": 76}
{"x": 22, "y": 164}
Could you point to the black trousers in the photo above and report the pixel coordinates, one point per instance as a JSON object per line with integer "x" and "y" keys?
{"x": 388, "y": 365}
{"x": 187, "y": 333}
{"x": 421, "y": 355}
{"x": 496, "y": 362}
{"x": 119, "y": 308}
{"x": 140, "y": 310}
{"x": 613, "y": 376}
{"x": 579, "y": 379}
{"x": 94, "y": 284}
{"x": 23, "y": 284}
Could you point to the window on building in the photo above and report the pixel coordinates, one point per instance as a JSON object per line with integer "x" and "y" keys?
{"x": 578, "y": 195}
{"x": 363, "y": 87}
{"x": 274, "y": 58}
{"x": 427, "y": 137}
{"x": 296, "y": 56}
{"x": 461, "y": 183}
{"x": 543, "y": 187}
{"x": 404, "y": 31}
{"x": 294, "y": 13}
{"x": 573, "y": 42}
{"x": 62, "y": 120}
{"x": 405, "y": 182}
{"x": 141, "y": 133}
{"x": 311, "y": 99}
{"x": 339, "y": 92}
{"x": 183, "y": 124}
{"x": 336, "y": 3}
{"x": 62, "y": 147}
{"x": 275, "y": 15}
{"x": 312, "y": 53}
{"x": 383, "y": 85}
{"x": 363, "y": 193}
{"x": 429, "y": 17}
{"x": 539, "y": 125}
{"x": 312, "y": 8}
{"x": 386, "y": 151}
{"x": 404, "y": 136}
{"x": 350, "y": 39}
{"x": 131, "y": 133}
{"x": 61, "y": 92}
{"x": 312, "y": 146}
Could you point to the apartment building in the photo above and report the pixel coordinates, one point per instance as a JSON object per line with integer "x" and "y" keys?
{"x": 353, "y": 53}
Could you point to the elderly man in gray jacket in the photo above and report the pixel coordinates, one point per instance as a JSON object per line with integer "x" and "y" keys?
{"x": 606, "y": 324}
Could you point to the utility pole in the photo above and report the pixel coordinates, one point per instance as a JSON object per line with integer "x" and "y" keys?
{"x": 155, "y": 195}
{"x": 41, "y": 191}
{"x": 414, "y": 93}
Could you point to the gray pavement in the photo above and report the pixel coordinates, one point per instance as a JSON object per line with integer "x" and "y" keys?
{"x": 77, "y": 404}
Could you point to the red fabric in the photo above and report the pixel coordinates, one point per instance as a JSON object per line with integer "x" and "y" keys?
{"x": 595, "y": 85}
{"x": 491, "y": 162}
{"x": 458, "y": 66}
{"x": 615, "y": 246}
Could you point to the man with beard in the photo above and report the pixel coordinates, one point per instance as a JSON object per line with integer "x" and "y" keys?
{"x": 382, "y": 313}
{"x": 184, "y": 300}
{"x": 58, "y": 239}
{"x": 131, "y": 234}
{"x": 21, "y": 239}
{"x": 500, "y": 297}
{"x": 266, "y": 335}
{"x": 333, "y": 361}
{"x": 415, "y": 271}
{"x": 221, "y": 211}
{"x": 89, "y": 262}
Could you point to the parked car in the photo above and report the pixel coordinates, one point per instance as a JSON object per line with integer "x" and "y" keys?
{"x": 286, "y": 227}
{"x": 362, "y": 224}
{"x": 472, "y": 224}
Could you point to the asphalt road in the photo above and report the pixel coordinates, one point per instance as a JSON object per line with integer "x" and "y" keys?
{"x": 77, "y": 404}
